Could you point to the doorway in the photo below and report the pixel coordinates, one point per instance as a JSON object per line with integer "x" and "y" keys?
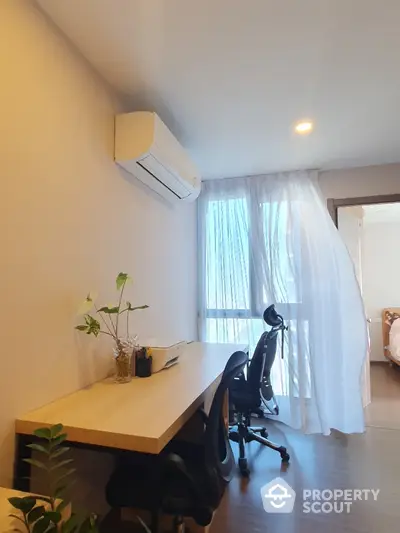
{"x": 371, "y": 233}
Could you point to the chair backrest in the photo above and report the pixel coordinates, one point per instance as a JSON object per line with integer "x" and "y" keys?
{"x": 264, "y": 354}
{"x": 262, "y": 360}
{"x": 218, "y": 451}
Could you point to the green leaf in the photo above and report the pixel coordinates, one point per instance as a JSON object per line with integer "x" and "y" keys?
{"x": 66, "y": 474}
{"x": 54, "y": 516}
{"x": 93, "y": 325}
{"x": 60, "y": 451}
{"x": 109, "y": 310}
{"x": 137, "y": 307}
{"x": 36, "y": 513}
{"x": 38, "y": 448}
{"x": 56, "y": 430}
{"x": 86, "y": 305}
{"x": 81, "y": 328}
{"x": 43, "y": 433}
{"x": 36, "y": 463}
{"x": 41, "y": 525}
{"x": 24, "y": 505}
{"x": 59, "y": 491}
{"x": 122, "y": 278}
{"x": 59, "y": 440}
{"x": 130, "y": 308}
{"x": 62, "y": 464}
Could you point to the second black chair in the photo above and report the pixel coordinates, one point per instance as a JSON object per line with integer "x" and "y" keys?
{"x": 246, "y": 395}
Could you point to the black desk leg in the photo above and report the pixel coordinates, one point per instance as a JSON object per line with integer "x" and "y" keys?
{"x": 22, "y": 470}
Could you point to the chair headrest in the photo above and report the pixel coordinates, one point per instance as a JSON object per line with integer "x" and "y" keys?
{"x": 271, "y": 317}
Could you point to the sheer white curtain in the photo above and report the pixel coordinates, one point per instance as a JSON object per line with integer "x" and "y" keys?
{"x": 270, "y": 239}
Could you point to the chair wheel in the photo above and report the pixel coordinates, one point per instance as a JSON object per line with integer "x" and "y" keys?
{"x": 244, "y": 470}
{"x": 264, "y": 433}
{"x": 285, "y": 457}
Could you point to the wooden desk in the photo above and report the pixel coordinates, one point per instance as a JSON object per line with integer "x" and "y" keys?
{"x": 143, "y": 415}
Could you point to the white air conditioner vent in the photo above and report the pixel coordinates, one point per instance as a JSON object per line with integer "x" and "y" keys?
{"x": 147, "y": 149}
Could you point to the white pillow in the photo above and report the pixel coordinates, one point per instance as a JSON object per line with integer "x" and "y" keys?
{"x": 394, "y": 340}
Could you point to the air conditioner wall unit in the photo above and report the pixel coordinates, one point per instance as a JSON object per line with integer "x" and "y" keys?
{"x": 146, "y": 148}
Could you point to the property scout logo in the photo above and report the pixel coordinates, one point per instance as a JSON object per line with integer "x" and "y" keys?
{"x": 279, "y": 497}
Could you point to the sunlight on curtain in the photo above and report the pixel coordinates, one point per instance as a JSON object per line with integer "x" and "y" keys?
{"x": 268, "y": 240}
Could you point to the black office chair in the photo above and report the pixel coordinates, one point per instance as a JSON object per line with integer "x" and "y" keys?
{"x": 186, "y": 479}
{"x": 246, "y": 395}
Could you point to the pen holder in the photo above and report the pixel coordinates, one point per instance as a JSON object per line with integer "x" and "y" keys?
{"x": 143, "y": 364}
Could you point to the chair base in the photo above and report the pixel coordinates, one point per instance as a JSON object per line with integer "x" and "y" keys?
{"x": 243, "y": 433}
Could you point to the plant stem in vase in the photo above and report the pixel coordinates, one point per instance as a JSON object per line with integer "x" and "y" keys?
{"x": 110, "y": 318}
{"x": 123, "y": 359}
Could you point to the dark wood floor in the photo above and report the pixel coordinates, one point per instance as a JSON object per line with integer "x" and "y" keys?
{"x": 384, "y": 411}
{"x": 371, "y": 460}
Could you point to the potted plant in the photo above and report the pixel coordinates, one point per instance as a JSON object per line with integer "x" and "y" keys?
{"x": 46, "y": 514}
{"x": 111, "y": 322}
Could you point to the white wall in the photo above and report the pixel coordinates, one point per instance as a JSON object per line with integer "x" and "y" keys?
{"x": 350, "y": 224}
{"x": 70, "y": 221}
{"x": 381, "y": 276}
{"x": 363, "y": 181}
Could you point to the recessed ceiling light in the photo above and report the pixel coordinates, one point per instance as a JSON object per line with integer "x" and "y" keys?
{"x": 304, "y": 127}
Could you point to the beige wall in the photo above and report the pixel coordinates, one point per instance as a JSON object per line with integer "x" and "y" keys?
{"x": 363, "y": 181}
{"x": 69, "y": 222}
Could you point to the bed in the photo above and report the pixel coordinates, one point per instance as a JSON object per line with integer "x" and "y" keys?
{"x": 391, "y": 334}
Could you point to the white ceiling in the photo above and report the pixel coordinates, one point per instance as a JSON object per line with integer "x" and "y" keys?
{"x": 381, "y": 213}
{"x": 230, "y": 77}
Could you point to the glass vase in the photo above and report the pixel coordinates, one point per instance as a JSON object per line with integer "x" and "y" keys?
{"x": 123, "y": 360}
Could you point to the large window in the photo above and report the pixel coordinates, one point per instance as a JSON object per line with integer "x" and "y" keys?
{"x": 227, "y": 259}
{"x": 250, "y": 262}
{"x": 239, "y": 259}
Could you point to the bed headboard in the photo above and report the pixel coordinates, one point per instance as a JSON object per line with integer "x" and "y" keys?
{"x": 387, "y": 320}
